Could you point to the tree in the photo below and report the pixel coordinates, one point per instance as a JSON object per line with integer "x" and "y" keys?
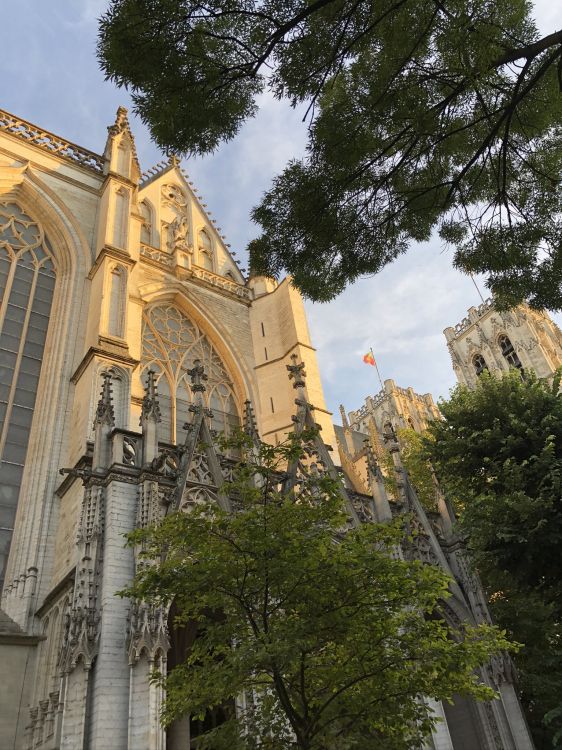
{"x": 498, "y": 454}
{"x": 442, "y": 114}
{"x": 330, "y": 638}
{"x": 416, "y": 464}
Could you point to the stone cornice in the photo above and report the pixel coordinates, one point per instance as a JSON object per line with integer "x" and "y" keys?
{"x": 95, "y": 351}
{"x": 115, "y": 253}
{"x": 199, "y": 276}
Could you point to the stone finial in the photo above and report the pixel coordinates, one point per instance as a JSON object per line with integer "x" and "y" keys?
{"x": 121, "y": 122}
{"x": 173, "y": 160}
{"x": 345, "y": 423}
{"x": 250, "y": 427}
{"x": 198, "y": 376}
{"x": 296, "y": 372}
{"x": 150, "y": 406}
{"x": 104, "y": 411}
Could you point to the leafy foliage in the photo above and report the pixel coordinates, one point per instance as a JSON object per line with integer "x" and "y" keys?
{"x": 330, "y": 638}
{"x": 421, "y": 115}
{"x": 499, "y": 455}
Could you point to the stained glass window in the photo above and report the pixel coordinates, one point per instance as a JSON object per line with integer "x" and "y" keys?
{"x": 171, "y": 342}
{"x": 27, "y": 281}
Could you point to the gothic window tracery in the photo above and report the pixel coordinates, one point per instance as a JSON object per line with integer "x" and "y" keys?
{"x": 508, "y": 352}
{"x": 171, "y": 344}
{"x": 27, "y": 282}
{"x": 479, "y": 364}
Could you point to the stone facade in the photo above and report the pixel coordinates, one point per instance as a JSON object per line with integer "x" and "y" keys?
{"x": 124, "y": 318}
{"x": 395, "y": 406}
{"x": 494, "y": 340}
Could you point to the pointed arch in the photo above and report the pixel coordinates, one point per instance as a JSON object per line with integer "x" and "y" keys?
{"x": 214, "y": 326}
{"x": 508, "y": 351}
{"x": 72, "y": 259}
{"x": 171, "y": 342}
{"x": 479, "y": 364}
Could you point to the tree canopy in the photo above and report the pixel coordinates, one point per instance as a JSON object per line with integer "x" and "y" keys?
{"x": 322, "y": 636}
{"x": 498, "y": 454}
{"x": 422, "y": 115}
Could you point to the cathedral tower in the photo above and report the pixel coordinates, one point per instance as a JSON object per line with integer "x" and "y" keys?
{"x": 488, "y": 339}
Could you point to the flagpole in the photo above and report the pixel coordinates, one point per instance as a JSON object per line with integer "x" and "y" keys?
{"x": 377, "y": 368}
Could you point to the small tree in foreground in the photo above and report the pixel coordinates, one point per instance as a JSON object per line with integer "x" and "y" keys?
{"x": 330, "y": 639}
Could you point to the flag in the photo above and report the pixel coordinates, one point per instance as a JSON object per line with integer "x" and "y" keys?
{"x": 368, "y": 359}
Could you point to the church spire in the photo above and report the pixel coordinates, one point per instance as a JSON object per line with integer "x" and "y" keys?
{"x": 104, "y": 412}
{"x": 198, "y": 377}
{"x": 249, "y": 424}
{"x": 104, "y": 423}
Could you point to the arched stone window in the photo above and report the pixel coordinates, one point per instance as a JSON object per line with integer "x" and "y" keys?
{"x": 117, "y": 301}
{"x": 205, "y": 250}
{"x": 121, "y": 217}
{"x": 27, "y": 282}
{"x": 508, "y": 352}
{"x": 171, "y": 342}
{"x": 148, "y": 227}
{"x": 479, "y": 364}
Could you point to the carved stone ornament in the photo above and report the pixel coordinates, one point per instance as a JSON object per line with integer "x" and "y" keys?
{"x": 174, "y": 196}
{"x": 178, "y": 232}
{"x": 148, "y": 631}
{"x": 296, "y": 372}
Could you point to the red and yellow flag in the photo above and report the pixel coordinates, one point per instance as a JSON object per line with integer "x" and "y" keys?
{"x": 368, "y": 359}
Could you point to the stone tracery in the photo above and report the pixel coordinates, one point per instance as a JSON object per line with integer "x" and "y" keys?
{"x": 171, "y": 344}
{"x": 27, "y": 281}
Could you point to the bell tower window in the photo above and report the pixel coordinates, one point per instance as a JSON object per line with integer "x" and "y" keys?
{"x": 479, "y": 364}
{"x": 509, "y": 353}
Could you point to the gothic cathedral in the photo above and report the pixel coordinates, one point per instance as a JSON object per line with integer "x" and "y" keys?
{"x": 124, "y": 317}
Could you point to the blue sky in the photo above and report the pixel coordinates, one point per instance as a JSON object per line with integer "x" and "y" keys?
{"x": 51, "y": 77}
